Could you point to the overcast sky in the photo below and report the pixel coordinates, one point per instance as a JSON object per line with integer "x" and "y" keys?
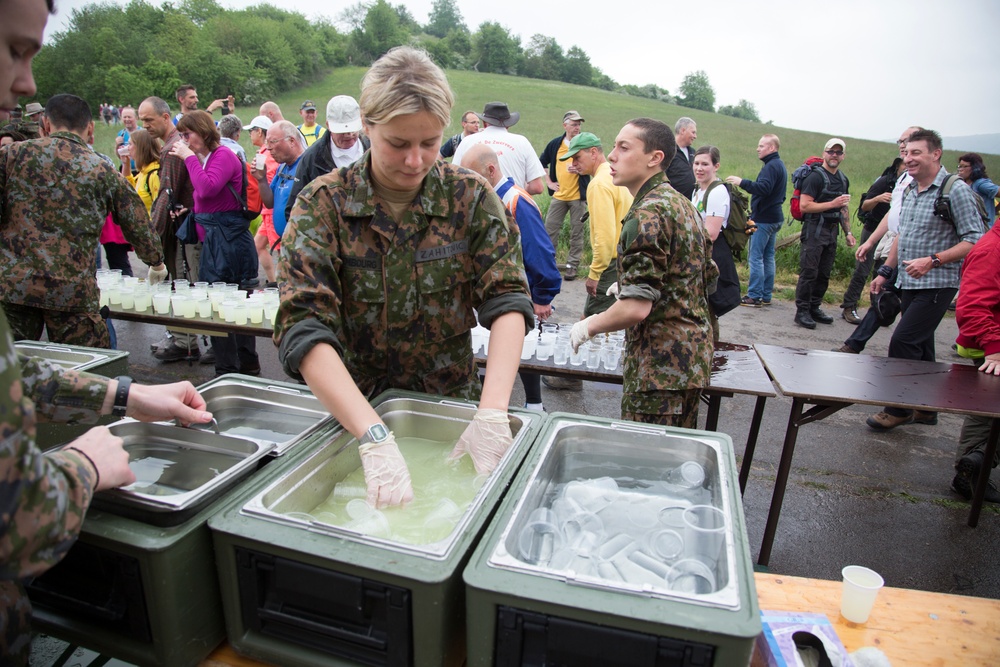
{"x": 853, "y": 68}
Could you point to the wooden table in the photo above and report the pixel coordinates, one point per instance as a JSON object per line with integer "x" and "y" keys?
{"x": 913, "y": 628}
{"x": 208, "y": 326}
{"x": 910, "y": 627}
{"x": 831, "y": 381}
{"x": 736, "y": 369}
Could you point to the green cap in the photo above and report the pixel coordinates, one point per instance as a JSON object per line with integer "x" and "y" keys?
{"x": 581, "y": 141}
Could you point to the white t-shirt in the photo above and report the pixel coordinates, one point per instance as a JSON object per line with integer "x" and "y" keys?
{"x": 716, "y": 206}
{"x": 896, "y": 203}
{"x": 514, "y": 152}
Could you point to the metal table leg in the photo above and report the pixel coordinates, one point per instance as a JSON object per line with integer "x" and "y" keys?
{"x": 984, "y": 472}
{"x": 758, "y": 415}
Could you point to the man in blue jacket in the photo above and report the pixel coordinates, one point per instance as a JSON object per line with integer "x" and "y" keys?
{"x": 767, "y": 194}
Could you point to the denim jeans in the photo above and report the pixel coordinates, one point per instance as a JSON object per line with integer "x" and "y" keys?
{"x": 762, "y": 260}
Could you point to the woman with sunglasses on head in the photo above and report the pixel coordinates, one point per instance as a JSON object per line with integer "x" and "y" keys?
{"x": 227, "y": 253}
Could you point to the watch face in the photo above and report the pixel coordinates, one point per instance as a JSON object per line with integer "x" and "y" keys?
{"x": 378, "y": 432}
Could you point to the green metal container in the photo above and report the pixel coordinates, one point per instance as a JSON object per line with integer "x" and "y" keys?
{"x": 299, "y": 591}
{"x": 109, "y": 363}
{"x": 141, "y": 584}
{"x": 597, "y": 556}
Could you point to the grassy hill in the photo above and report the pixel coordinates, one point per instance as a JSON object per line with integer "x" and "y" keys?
{"x": 542, "y": 104}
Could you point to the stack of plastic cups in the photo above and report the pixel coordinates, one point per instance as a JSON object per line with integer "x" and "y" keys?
{"x": 546, "y": 342}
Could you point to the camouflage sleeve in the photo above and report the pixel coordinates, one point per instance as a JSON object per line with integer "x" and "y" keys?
{"x": 309, "y": 275}
{"x": 129, "y": 212}
{"x": 60, "y": 395}
{"x": 42, "y": 497}
{"x": 642, "y": 259}
{"x": 4, "y": 156}
{"x": 502, "y": 284}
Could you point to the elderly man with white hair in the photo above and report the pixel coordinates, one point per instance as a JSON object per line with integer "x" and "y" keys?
{"x": 341, "y": 146}
{"x": 287, "y": 146}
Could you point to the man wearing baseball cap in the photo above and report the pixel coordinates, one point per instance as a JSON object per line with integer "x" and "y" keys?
{"x": 569, "y": 193}
{"x": 309, "y": 129}
{"x": 825, "y": 196}
{"x": 516, "y": 155}
{"x": 340, "y": 146}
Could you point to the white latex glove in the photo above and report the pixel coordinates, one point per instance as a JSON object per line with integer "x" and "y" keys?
{"x": 486, "y": 439}
{"x": 613, "y": 290}
{"x": 386, "y": 474}
{"x": 157, "y": 276}
{"x": 580, "y": 334}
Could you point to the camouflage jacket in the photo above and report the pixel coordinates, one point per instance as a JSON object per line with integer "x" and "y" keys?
{"x": 664, "y": 256}
{"x": 55, "y": 194}
{"x": 43, "y": 497}
{"x": 396, "y": 299}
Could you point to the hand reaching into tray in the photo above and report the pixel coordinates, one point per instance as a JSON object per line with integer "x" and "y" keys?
{"x": 486, "y": 439}
{"x": 386, "y": 474}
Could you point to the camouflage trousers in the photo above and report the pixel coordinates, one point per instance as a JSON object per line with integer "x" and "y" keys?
{"x": 15, "y": 624}
{"x": 674, "y": 408}
{"x": 66, "y": 328}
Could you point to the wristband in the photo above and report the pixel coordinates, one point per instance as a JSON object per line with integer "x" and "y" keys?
{"x": 97, "y": 473}
{"x": 121, "y": 396}
{"x": 885, "y": 271}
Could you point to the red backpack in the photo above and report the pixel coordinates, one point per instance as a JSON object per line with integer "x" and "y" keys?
{"x": 798, "y": 178}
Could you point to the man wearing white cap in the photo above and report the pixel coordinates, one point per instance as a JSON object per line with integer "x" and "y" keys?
{"x": 341, "y": 146}
{"x": 517, "y": 157}
{"x": 824, "y": 206}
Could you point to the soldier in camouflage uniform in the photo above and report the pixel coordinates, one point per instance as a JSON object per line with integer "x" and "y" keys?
{"x": 44, "y": 496}
{"x": 664, "y": 266}
{"x": 382, "y": 264}
{"x": 56, "y": 193}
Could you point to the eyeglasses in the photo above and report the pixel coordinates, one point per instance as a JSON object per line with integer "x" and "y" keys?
{"x": 185, "y": 135}
{"x": 900, "y": 142}
{"x": 834, "y": 152}
{"x": 274, "y": 142}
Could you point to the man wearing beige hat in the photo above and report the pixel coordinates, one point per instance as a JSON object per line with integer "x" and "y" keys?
{"x": 568, "y": 189}
{"x": 824, "y": 203}
{"x": 516, "y": 155}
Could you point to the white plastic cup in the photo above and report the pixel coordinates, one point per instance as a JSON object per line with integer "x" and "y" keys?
{"x": 666, "y": 545}
{"x": 546, "y": 346}
{"x": 143, "y": 301}
{"x": 560, "y": 352}
{"x": 161, "y": 303}
{"x": 240, "y": 313}
{"x": 255, "y": 311}
{"x": 688, "y": 475}
{"x": 577, "y": 358}
{"x": 530, "y": 343}
{"x": 861, "y": 586}
{"x": 704, "y": 532}
{"x": 540, "y": 538}
{"x": 205, "y": 308}
{"x": 594, "y": 348}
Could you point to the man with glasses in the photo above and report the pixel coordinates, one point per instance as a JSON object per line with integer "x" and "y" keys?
{"x": 824, "y": 204}
{"x": 287, "y": 146}
{"x": 470, "y": 126}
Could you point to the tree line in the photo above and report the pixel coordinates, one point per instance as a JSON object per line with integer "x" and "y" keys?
{"x": 115, "y": 54}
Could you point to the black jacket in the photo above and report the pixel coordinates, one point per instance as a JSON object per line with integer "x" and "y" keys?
{"x": 680, "y": 174}
{"x": 550, "y": 156}
{"x": 315, "y": 162}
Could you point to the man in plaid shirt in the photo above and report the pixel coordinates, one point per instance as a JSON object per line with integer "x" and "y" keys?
{"x": 933, "y": 239}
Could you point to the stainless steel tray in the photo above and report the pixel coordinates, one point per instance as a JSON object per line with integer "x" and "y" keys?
{"x": 637, "y": 457}
{"x": 179, "y": 470}
{"x": 289, "y": 498}
{"x": 263, "y": 410}
{"x": 64, "y": 357}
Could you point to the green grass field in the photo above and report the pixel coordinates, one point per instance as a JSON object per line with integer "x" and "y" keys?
{"x": 542, "y": 104}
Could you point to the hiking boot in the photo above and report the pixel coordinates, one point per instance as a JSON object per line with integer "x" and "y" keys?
{"x": 209, "y": 357}
{"x": 251, "y": 370}
{"x": 167, "y": 339}
{"x": 803, "y": 318}
{"x": 851, "y": 316}
{"x": 819, "y": 316}
{"x": 883, "y": 421}
{"x": 846, "y": 349}
{"x": 175, "y": 352}
{"x": 765, "y": 302}
{"x": 750, "y": 301}
{"x": 967, "y": 473}
{"x": 569, "y": 272}
{"x": 925, "y": 418}
{"x": 561, "y": 383}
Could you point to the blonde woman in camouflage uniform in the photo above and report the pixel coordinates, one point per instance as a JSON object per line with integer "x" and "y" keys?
{"x": 381, "y": 266}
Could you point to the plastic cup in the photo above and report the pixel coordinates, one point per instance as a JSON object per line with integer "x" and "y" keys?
{"x": 205, "y": 307}
{"x": 161, "y": 303}
{"x": 861, "y": 586}
{"x": 240, "y": 313}
{"x": 540, "y": 538}
{"x": 442, "y": 518}
{"x": 190, "y": 308}
{"x": 560, "y": 352}
{"x": 177, "y": 304}
{"x": 620, "y": 544}
{"x": 127, "y": 298}
{"x": 704, "y": 532}
{"x": 349, "y": 492}
{"x": 594, "y": 354}
{"x": 374, "y": 524}
{"x": 581, "y": 523}
{"x": 270, "y": 310}
{"x": 687, "y": 475}
{"x": 115, "y": 294}
{"x": 255, "y": 312}
{"x": 666, "y": 545}
{"x": 530, "y": 343}
{"x": 477, "y": 339}
{"x": 691, "y": 576}
{"x": 647, "y": 562}
{"x": 143, "y": 301}
{"x": 579, "y": 357}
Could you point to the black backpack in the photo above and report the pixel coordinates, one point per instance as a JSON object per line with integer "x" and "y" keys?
{"x": 942, "y": 205}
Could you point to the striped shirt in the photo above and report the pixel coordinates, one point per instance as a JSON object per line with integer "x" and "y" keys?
{"x": 921, "y": 233}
